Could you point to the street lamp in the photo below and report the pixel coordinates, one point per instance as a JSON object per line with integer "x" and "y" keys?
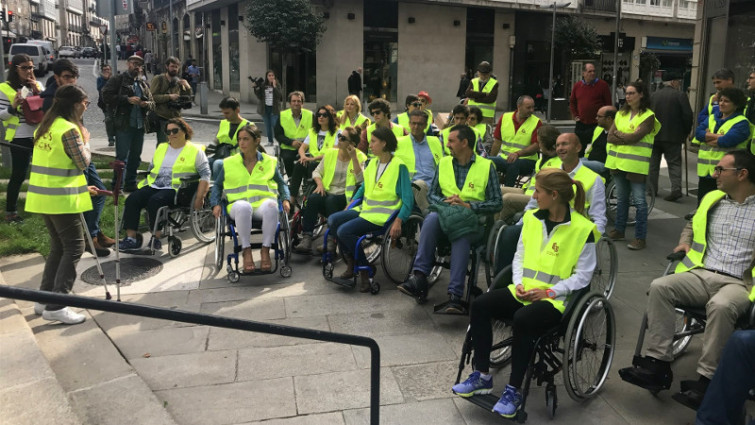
{"x": 553, "y": 47}
{"x": 614, "y": 81}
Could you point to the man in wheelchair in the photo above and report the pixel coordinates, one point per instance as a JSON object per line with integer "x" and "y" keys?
{"x": 462, "y": 180}
{"x": 421, "y": 155}
{"x": 543, "y": 279}
{"x": 716, "y": 273}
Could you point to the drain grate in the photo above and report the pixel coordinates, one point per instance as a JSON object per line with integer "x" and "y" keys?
{"x": 132, "y": 270}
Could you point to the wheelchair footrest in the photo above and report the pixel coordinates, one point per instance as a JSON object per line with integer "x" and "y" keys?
{"x": 139, "y": 251}
{"x": 689, "y": 398}
{"x": 349, "y": 283}
{"x": 256, "y": 272}
{"x": 487, "y": 401}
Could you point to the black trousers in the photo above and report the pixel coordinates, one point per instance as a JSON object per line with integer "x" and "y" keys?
{"x": 20, "y": 158}
{"x": 146, "y": 197}
{"x": 318, "y": 204}
{"x": 584, "y": 132}
{"x": 301, "y": 173}
{"x": 528, "y": 323}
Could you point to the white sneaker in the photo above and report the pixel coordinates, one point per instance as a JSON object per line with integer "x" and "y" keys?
{"x": 64, "y": 315}
{"x": 39, "y": 308}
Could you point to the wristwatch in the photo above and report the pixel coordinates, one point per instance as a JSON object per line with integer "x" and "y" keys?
{"x": 550, "y": 293}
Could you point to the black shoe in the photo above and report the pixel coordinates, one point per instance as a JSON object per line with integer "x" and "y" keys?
{"x": 649, "y": 373}
{"x": 674, "y": 196}
{"x": 455, "y": 306}
{"x": 692, "y": 393}
{"x": 130, "y": 188}
{"x": 414, "y": 286}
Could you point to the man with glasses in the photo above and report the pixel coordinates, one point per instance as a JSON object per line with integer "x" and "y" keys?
{"x": 64, "y": 72}
{"x": 596, "y": 154}
{"x": 128, "y": 99}
{"x": 716, "y": 274}
{"x": 587, "y": 96}
{"x": 380, "y": 110}
{"x": 483, "y": 92}
{"x": 421, "y": 154}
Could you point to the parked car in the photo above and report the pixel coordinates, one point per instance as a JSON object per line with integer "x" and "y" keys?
{"x": 52, "y": 55}
{"x": 68, "y": 52}
{"x": 89, "y": 52}
{"x": 39, "y": 55}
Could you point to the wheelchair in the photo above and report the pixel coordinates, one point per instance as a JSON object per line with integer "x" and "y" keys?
{"x": 690, "y": 321}
{"x": 582, "y": 345}
{"x": 225, "y": 226}
{"x": 612, "y": 201}
{"x": 176, "y": 218}
{"x": 295, "y": 223}
{"x": 603, "y": 278}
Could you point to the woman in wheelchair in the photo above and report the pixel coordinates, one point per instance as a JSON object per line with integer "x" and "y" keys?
{"x": 555, "y": 256}
{"x": 322, "y": 136}
{"x": 173, "y": 160}
{"x": 252, "y": 184}
{"x": 386, "y": 189}
{"x": 337, "y": 177}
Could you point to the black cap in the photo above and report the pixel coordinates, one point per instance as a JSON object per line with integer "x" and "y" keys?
{"x": 671, "y": 76}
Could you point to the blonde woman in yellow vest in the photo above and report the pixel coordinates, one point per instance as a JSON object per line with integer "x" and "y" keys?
{"x": 252, "y": 183}
{"x": 715, "y": 275}
{"x": 555, "y": 256}
{"x": 351, "y": 114}
{"x": 337, "y": 177}
{"x": 58, "y": 191}
{"x": 725, "y": 130}
{"x": 386, "y": 190}
{"x": 630, "y": 145}
{"x": 173, "y": 160}
{"x": 17, "y": 130}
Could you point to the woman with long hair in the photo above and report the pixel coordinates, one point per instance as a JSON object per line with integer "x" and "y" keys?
{"x": 270, "y": 98}
{"x": 629, "y": 148}
{"x": 351, "y": 114}
{"x": 17, "y": 130}
{"x": 322, "y": 136}
{"x": 557, "y": 241}
{"x": 58, "y": 191}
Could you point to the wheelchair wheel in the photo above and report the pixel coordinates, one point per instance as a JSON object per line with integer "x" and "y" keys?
{"x": 398, "y": 254}
{"x": 219, "y": 242}
{"x": 503, "y": 337}
{"x": 492, "y": 239}
{"x": 589, "y": 346}
{"x": 604, "y": 276}
{"x": 551, "y": 400}
{"x": 202, "y": 221}
{"x": 612, "y": 202}
{"x": 284, "y": 239}
{"x": 174, "y": 246}
{"x": 683, "y": 324}
{"x": 372, "y": 249}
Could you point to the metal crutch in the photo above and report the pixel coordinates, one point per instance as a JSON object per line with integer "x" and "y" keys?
{"x": 118, "y": 167}
{"x": 94, "y": 252}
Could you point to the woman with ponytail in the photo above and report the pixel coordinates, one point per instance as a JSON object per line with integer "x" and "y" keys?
{"x": 557, "y": 241}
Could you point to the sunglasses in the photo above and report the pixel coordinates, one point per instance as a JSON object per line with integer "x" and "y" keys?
{"x": 417, "y": 104}
{"x": 172, "y": 130}
{"x": 25, "y": 67}
{"x": 322, "y": 114}
{"x": 373, "y": 113}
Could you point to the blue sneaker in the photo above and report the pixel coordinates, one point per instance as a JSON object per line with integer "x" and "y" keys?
{"x": 128, "y": 244}
{"x": 155, "y": 243}
{"x": 509, "y": 403}
{"x": 473, "y": 385}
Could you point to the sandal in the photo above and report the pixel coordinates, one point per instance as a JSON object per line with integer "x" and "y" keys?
{"x": 248, "y": 263}
{"x": 266, "y": 264}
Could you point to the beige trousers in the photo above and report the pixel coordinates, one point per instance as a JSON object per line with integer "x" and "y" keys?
{"x": 514, "y": 201}
{"x": 420, "y": 190}
{"x": 724, "y": 298}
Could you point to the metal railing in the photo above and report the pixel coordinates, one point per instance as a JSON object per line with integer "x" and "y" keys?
{"x": 211, "y": 320}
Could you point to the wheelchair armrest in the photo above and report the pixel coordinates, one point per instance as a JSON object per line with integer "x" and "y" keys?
{"x": 140, "y": 174}
{"x": 189, "y": 179}
{"x": 503, "y": 279}
{"x": 354, "y": 203}
{"x": 676, "y": 256}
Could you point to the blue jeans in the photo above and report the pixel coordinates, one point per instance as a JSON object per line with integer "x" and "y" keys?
{"x": 520, "y": 167}
{"x": 428, "y": 241}
{"x": 128, "y": 148}
{"x": 596, "y": 166}
{"x": 270, "y": 120}
{"x": 735, "y": 376}
{"x": 623, "y": 187}
{"x": 92, "y": 217}
{"x": 215, "y": 165}
{"x": 349, "y": 227}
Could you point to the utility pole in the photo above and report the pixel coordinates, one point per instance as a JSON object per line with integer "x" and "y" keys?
{"x": 2, "y": 48}
{"x": 616, "y": 50}
{"x": 113, "y": 39}
{"x": 553, "y": 48}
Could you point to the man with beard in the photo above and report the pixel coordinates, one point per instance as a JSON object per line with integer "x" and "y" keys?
{"x": 128, "y": 98}
{"x": 171, "y": 94}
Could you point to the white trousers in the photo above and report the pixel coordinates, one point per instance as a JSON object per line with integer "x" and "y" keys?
{"x": 242, "y": 213}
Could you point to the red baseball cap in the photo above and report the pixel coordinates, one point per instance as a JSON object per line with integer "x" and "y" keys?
{"x": 426, "y": 96}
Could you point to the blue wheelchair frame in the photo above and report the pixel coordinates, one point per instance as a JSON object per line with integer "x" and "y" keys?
{"x": 327, "y": 257}
{"x": 281, "y": 245}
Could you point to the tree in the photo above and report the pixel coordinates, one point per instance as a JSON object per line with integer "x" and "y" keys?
{"x": 575, "y": 38}
{"x": 649, "y": 63}
{"x": 288, "y": 26}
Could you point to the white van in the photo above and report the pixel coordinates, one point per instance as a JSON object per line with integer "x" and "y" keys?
{"x": 52, "y": 55}
{"x": 39, "y": 55}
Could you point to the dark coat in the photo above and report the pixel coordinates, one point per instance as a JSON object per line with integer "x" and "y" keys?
{"x": 672, "y": 109}
{"x": 355, "y": 83}
{"x": 259, "y": 91}
{"x": 115, "y": 94}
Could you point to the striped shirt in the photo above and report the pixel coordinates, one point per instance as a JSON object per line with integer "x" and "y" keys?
{"x": 731, "y": 236}
{"x": 24, "y": 130}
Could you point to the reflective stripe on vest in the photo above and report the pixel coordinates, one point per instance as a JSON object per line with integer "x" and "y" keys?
{"x": 328, "y": 143}
{"x": 694, "y": 257}
{"x": 224, "y": 128}
{"x": 397, "y": 130}
{"x": 632, "y": 158}
{"x": 474, "y": 184}
{"x": 515, "y": 140}
{"x": 254, "y": 187}
{"x": 185, "y": 165}
{"x": 709, "y": 156}
{"x": 291, "y": 130}
{"x": 380, "y": 198}
{"x": 329, "y": 170}
{"x": 56, "y": 185}
{"x": 488, "y": 109}
{"x": 545, "y": 263}
{"x": 11, "y": 124}
{"x": 405, "y": 151}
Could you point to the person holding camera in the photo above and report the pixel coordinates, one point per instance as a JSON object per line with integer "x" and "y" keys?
{"x": 128, "y": 98}
{"x": 171, "y": 94}
{"x": 270, "y": 97}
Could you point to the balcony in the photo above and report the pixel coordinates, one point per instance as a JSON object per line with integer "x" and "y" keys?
{"x": 661, "y": 8}
{"x": 608, "y": 6}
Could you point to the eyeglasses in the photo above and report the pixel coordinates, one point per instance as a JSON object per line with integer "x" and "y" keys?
{"x": 373, "y": 113}
{"x": 630, "y": 92}
{"x": 417, "y": 104}
{"x": 417, "y": 123}
{"x": 323, "y": 114}
{"x": 25, "y": 67}
{"x": 173, "y": 130}
{"x": 87, "y": 103}
{"x": 719, "y": 170}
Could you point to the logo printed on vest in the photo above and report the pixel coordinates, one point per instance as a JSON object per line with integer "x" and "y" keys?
{"x": 554, "y": 247}
{"x": 262, "y": 168}
{"x": 471, "y": 185}
{"x": 524, "y": 131}
{"x": 380, "y": 185}
{"x": 182, "y": 159}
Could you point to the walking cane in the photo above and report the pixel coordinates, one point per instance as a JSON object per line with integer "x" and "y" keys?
{"x": 686, "y": 170}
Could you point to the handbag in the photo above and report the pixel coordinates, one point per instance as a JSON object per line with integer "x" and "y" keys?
{"x": 31, "y": 106}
